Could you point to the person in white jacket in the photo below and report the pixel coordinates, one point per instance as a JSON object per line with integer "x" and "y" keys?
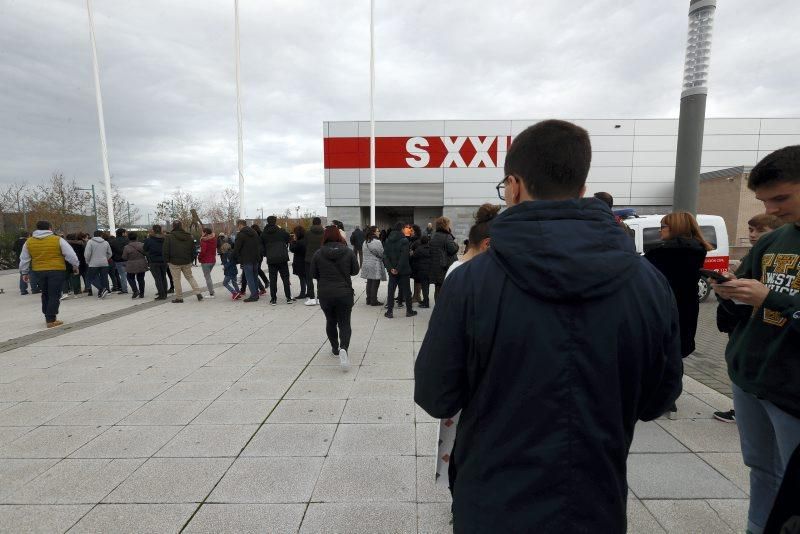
{"x": 97, "y": 253}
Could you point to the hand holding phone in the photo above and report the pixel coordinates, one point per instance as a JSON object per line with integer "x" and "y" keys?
{"x": 715, "y": 276}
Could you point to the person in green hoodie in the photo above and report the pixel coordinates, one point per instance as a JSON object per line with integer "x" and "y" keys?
{"x": 763, "y": 352}
{"x": 178, "y": 252}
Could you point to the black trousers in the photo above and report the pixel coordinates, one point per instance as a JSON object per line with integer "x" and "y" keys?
{"x": 98, "y": 277}
{"x": 283, "y": 269}
{"x": 114, "y": 274}
{"x": 360, "y": 255}
{"x": 337, "y": 320}
{"x": 302, "y": 278}
{"x": 425, "y": 284}
{"x": 51, "y": 283}
{"x": 403, "y": 283}
{"x": 309, "y": 282}
{"x": 159, "y": 272}
{"x": 136, "y": 281}
{"x": 372, "y": 291}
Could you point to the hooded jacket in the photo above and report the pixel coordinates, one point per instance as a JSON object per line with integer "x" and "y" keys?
{"x": 396, "y": 254}
{"x": 178, "y": 248}
{"x": 135, "y": 260}
{"x": 313, "y": 241}
{"x": 45, "y": 251}
{"x": 357, "y": 238}
{"x": 443, "y": 253}
{"x": 552, "y": 344}
{"x": 208, "y": 249}
{"x": 421, "y": 260}
{"x": 97, "y": 252}
{"x": 680, "y": 261}
{"x": 117, "y": 246}
{"x": 276, "y": 242}
{"x": 333, "y": 265}
{"x": 247, "y": 248}
{"x": 154, "y": 248}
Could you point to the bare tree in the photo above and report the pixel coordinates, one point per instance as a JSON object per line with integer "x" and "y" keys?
{"x": 222, "y": 210}
{"x": 59, "y": 201}
{"x": 125, "y": 214}
{"x": 178, "y": 207}
{"x": 14, "y": 203}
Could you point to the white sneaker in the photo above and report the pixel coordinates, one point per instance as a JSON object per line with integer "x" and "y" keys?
{"x": 209, "y": 296}
{"x": 64, "y": 296}
{"x": 311, "y": 302}
{"x": 344, "y": 363}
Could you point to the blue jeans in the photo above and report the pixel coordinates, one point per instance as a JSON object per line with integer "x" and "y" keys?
{"x": 120, "y": 266}
{"x": 23, "y": 285}
{"x": 769, "y": 436}
{"x": 250, "y": 270}
{"x": 229, "y": 282}
{"x": 98, "y": 277}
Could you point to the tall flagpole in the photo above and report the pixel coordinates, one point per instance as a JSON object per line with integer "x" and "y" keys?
{"x": 239, "y": 115}
{"x": 372, "y": 112}
{"x": 103, "y": 147}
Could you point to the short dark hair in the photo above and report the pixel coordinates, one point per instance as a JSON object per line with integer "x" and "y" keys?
{"x": 157, "y": 228}
{"x": 316, "y": 220}
{"x": 605, "y": 197}
{"x": 43, "y": 225}
{"x": 398, "y": 226}
{"x": 133, "y": 236}
{"x": 765, "y": 221}
{"x": 98, "y": 233}
{"x": 241, "y": 222}
{"x": 121, "y": 232}
{"x": 272, "y": 219}
{"x": 177, "y": 225}
{"x": 783, "y": 165}
{"x": 552, "y": 158}
{"x": 207, "y": 231}
{"x": 339, "y": 224}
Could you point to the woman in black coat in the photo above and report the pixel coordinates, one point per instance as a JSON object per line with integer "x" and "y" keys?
{"x": 443, "y": 253}
{"x": 680, "y": 258}
{"x": 298, "y": 248}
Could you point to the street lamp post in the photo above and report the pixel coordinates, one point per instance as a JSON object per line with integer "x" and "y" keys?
{"x": 94, "y": 204}
{"x": 693, "y": 105}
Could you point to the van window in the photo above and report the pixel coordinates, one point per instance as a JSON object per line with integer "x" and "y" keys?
{"x": 651, "y": 238}
{"x": 710, "y": 235}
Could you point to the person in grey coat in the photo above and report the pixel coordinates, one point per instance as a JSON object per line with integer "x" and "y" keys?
{"x": 136, "y": 264}
{"x": 372, "y": 269}
{"x": 97, "y": 252}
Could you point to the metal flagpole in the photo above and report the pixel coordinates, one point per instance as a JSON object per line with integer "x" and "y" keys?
{"x": 372, "y": 112}
{"x": 101, "y": 120}
{"x": 239, "y": 114}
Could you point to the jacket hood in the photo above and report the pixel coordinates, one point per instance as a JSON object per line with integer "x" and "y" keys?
{"x": 208, "y": 237}
{"x": 316, "y": 229}
{"x": 247, "y": 231}
{"x": 395, "y": 236}
{"x": 97, "y": 239}
{"x": 181, "y": 235}
{"x": 334, "y": 251}
{"x": 138, "y": 245}
{"x": 563, "y": 249}
{"x": 40, "y": 234}
{"x": 270, "y": 229}
{"x": 157, "y": 237}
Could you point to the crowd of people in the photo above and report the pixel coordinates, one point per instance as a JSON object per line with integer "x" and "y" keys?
{"x": 550, "y": 338}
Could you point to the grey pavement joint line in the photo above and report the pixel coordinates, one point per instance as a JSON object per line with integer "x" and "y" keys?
{"x": 200, "y": 505}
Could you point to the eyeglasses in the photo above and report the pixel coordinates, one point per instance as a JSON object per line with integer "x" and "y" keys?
{"x": 501, "y": 188}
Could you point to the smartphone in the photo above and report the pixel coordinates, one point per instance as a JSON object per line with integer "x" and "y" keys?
{"x": 714, "y": 275}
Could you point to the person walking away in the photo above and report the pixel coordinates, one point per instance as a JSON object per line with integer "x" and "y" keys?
{"x": 229, "y": 271}
{"x": 98, "y": 255}
{"x": 313, "y": 244}
{"x": 263, "y": 283}
{"x": 421, "y": 269}
{"x": 247, "y": 253}
{"x": 444, "y": 249}
{"x": 357, "y": 240}
{"x": 373, "y": 270}
{"x": 608, "y": 199}
{"x": 73, "y": 279}
{"x": 550, "y": 362}
{"x": 178, "y": 250}
{"x": 334, "y": 265}
{"x": 297, "y": 246}
{"x": 679, "y": 258}
{"x": 276, "y": 248}
{"x": 208, "y": 257}
{"x": 762, "y": 351}
{"x": 416, "y": 234}
{"x": 396, "y": 260}
{"x": 135, "y": 264}
{"x": 758, "y": 226}
{"x": 23, "y": 285}
{"x": 154, "y": 250}
{"x": 117, "y": 246}
{"x": 45, "y": 253}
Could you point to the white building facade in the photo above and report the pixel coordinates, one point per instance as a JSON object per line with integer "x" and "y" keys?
{"x": 425, "y": 169}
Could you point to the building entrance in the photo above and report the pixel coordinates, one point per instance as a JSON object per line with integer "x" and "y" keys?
{"x": 387, "y": 216}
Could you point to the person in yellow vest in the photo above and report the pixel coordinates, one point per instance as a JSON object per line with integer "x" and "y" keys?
{"x": 45, "y": 254}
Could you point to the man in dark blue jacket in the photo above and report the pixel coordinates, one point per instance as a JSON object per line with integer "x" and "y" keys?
{"x": 552, "y": 345}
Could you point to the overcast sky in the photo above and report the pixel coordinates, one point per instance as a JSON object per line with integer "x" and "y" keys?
{"x": 167, "y": 75}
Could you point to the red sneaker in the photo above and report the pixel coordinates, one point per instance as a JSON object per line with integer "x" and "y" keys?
{"x": 239, "y": 296}
{"x": 234, "y": 295}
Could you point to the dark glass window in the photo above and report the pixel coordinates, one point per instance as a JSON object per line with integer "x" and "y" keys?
{"x": 710, "y": 234}
{"x": 651, "y": 238}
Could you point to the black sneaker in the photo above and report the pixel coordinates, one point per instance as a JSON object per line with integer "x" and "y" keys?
{"x": 177, "y": 301}
{"x": 412, "y": 313}
{"x": 171, "y": 290}
{"x": 424, "y": 305}
{"x": 389, "y": 315}
{"x": 273, "y": 302}
{"x": 726, "y": 417}
{"x": 290, "y": 301}
{"x": 199, "y": 296}
{"x": 251, "y": 299}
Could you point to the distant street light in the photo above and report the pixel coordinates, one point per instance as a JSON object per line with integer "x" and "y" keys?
{"x": 693, "y": 105}
{"x": 94, "y": 204}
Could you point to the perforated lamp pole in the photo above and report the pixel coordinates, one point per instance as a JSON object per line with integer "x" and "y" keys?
{"x": 693, "y": 105}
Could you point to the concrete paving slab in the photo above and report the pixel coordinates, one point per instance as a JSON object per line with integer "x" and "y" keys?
{"x": 691, "y": 407}
{"x": 185, "y": 390}
{"x": 170, "y": 481}
{"x": 157, "y": 412}
{"x": 387, "y": 358}
{"x": 268, "y": 480}
{"x": 198, "y": 441}
{"x": 33, "y": 413}
{"x": 400, "y": 371}
{"x": 15, "y": 473}
{"x": 50, "y": 441}
{"x": 24, "y": 388}
{"x": 732, "y": 511}
{"x": 256, "y": 389}
{"x": 373, "y": 440}
{"x": 227, "y": 373}
{"x": 677, "y": 476}
{"x": 732, "y": 467}
{"x": 247, "y": 518}
{"x": 73, "y": 391}
{"x": 434, "y": 518}
{"x": 127, "y": 442}
{"x": 329, "y": 372}
{"x": 239, "y": 412}
{"x": 367, "y": 479}
{"x": 96, "y": 413}
{"x": 40, "y": 518}
{"x": 320, "y": 389}
{"x": 135, "y": 389}
{"x": 649, "y": 437}
{"x": 426, "y": 438}
{"x": 326, "y": 357}
{"x": 134, "y": 518}
{"x": 378, "y": 411}
{"x": 640, "y": 520}
{"x": 704, "y": 435}
{"x": 291, "y": 440}
{"x": 383, "y": 389}
{"x": 358, "y": 518}
{"x": 427, "y": 490}
{"x": 687, "y": 516}
{"x": 307, "y": 411}
{"x": 74, "y": 481}
{"x": 10, "y": 433}
{"x": 716, "y": 400}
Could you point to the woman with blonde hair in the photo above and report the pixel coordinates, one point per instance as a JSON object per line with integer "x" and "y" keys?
{"x": 443, "y": 252}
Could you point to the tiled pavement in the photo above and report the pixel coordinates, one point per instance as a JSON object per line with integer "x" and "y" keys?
{"x": 707, "y": 363}
{"x": 232, "y": 417}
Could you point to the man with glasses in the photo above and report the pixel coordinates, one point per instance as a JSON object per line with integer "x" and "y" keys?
{"x": 552, "y": 345}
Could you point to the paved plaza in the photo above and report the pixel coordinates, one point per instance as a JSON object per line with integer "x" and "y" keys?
{"x": 221, "y": 416}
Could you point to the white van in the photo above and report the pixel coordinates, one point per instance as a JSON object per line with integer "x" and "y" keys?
{"x": 647, "y": 234}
